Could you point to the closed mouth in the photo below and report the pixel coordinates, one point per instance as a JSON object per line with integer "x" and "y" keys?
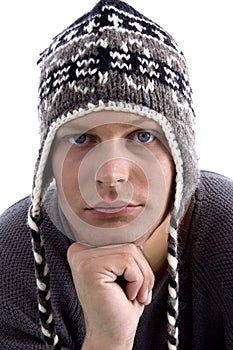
{"x": 113, "y": 207}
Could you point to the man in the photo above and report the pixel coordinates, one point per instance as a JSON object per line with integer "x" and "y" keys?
{"x": 132, "y": 245}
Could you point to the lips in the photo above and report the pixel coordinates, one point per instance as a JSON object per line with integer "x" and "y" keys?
{"x": 113, "y": 207}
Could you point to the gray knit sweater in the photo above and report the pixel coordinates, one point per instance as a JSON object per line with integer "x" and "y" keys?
{"x": 206, "y": 280}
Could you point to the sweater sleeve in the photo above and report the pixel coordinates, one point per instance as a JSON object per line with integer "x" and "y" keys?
{"x": 19, "y": 323}
{"x": 20, "y": 327}
{"x": 212, "y": 252}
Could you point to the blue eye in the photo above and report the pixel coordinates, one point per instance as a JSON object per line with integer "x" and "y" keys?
{"x": 78, "y": 139}
{"x": 144, "y": 137}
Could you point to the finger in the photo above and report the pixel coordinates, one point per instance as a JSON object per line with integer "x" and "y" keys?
{"x": 137, "y": 273}
{"x": 145, "y": 292}
{"x": 74, "y": 249}
{"x": 134, "y": 278}
{"x": 141, "y": 284}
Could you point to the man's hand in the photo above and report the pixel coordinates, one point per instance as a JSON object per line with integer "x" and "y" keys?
{"x": 111, "y": 311}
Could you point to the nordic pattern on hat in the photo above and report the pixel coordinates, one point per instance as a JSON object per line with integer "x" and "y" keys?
{"x": 114, "y": 58}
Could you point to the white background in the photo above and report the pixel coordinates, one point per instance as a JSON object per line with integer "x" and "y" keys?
{"x": 204, "y": 31}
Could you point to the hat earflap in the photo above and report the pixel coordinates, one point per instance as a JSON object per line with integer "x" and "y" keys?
{"x": 43, "y": 285}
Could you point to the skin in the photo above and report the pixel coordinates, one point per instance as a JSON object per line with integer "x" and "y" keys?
{"x": 111, "y": 312}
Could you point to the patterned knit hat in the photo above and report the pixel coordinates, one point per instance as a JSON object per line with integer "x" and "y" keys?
{"x": 114, "y": 58}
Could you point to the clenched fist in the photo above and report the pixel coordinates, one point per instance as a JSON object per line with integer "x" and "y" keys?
{"x": 111, "y": 310}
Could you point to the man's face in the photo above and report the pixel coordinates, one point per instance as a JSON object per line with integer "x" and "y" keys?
{"x": 114, "y": 176}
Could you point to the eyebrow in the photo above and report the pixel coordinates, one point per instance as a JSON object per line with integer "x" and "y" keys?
{"x": 156, "y": 127}
{"x": 139, "y": 121}
{"x": 130, "y": 123}
{"x": 73, "y": 128}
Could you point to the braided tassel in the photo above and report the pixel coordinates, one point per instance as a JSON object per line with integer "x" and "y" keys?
{"x": 173, "y": 288}
{"x": 43, "y": 285}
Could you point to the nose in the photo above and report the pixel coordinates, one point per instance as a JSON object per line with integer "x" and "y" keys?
{"x": 113, "y": 173}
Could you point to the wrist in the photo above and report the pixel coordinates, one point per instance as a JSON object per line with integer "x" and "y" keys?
{"x": 99, "y": 342}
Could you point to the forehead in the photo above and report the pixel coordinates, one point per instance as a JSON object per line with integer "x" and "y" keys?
{"x": 106, "y": 119}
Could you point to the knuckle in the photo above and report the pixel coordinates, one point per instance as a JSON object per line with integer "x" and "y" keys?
{"x": 85, "y": 271}
{"x": 132, "y": 247}
{"x": 83, "y": 267}
{"x": 71, "y": 255}
{"x": 77, "y": 260}
{"x": 128, "y": 258}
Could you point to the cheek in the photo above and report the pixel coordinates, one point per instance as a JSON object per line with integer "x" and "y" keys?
{"x": 139, "y": 178}
{"x": 168, "y": 169}
{"x": 167, "y": 165}
{"x": 65, "y": 165}
{"x": 69, "y": 174}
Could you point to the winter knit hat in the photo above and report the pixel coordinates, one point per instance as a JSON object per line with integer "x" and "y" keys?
{"x": 114, "y": 58}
